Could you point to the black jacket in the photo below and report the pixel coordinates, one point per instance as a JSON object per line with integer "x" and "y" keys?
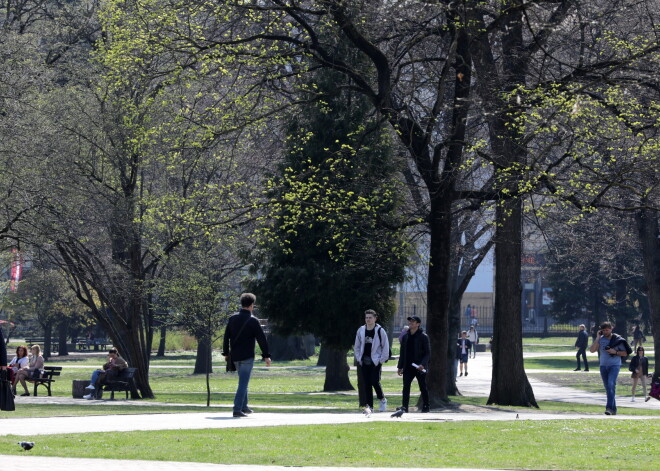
{"x": 240, "y": 343}
{"x": 582, "y": 339}
{"x": 422, "y": 350}
{"x": 634, "y": 363}
{"x": 468, "y": 346}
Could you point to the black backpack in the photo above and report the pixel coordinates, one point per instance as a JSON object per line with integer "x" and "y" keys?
{"x": 380, "y": 339}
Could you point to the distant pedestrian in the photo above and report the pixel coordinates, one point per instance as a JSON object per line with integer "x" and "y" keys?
{"x": 371, "y": 349}
{"x": 463, "y": 346}
{"x": 639, "y": 365}
{"x": 468, "y": 314}
{"x": 414, "y": 361}
{"x": 638, "y": 337}
{"x": 403, "y": 332}
{"x": 581, "y": 344}
{"x": 243, "y": 329}
{"x": 473, "y": 336}
{"x": 611, "y": 347}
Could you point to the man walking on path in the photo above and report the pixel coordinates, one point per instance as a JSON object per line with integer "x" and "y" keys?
{"x": 611, "y": 347}
{"x": 413, "y": 362}
{"x": 238, "y": 347}
{"x": 581, "y": 344}
{"x": 473, "y": 337}
{"x": 371, "y": 349}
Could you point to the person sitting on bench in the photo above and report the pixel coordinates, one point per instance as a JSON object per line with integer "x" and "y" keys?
{"x": 111, "y": 369}
{"x": 34, "y": 369}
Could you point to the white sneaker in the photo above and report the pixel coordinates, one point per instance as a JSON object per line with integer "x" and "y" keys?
{"x": 367, "y": 411}
{"x": 88, "y": 396}
{"x": 632, "y": 399}
{"x": 383, "y": 405}
{"x": 91, "y": 386}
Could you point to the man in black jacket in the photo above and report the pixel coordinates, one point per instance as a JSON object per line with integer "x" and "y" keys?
{"x": 581, "y": 344}
{"x": 238, "y": 347}
{"x": 413, "y": 361}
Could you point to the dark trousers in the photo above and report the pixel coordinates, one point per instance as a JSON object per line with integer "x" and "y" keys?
{"x": 370, "y": 375}
{"x": 410, "y": 373}
{"x": 583, "y": 352}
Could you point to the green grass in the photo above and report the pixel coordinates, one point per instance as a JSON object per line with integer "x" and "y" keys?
{"x": 568, "y": 363}
{"x": 513, "y": 444}
{"x": 555, "y": 406}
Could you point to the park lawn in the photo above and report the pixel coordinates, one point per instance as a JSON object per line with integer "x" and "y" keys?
{"x": 568, "y": 363}
{"x": 515, "y": 444}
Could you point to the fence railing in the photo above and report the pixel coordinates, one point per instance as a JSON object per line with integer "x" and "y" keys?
{"x": 482, "y": 318}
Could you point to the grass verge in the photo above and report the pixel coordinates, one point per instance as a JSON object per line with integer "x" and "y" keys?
{"x": 515, "y": 444}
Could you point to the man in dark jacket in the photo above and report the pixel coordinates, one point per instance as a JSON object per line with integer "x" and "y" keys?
{"x": 413, "y": 361}
{"x": 581, "y": 344}
{"x": 238, "y": 347}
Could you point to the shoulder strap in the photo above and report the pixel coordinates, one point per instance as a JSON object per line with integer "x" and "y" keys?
{"x": 242, "y": 327}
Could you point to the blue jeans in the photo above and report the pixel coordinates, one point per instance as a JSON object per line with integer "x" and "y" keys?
{"x": 609, "y": 375}
{"x": 244, "y": 370}
{"x": 95, "y": 377}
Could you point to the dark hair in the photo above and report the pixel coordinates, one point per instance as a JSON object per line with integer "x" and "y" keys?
{"x": 248, "y": 299}
{"x": 372, "y": 312}
{"x": 606, "y": 325}
{"x": 24, "y": 348}
{"x": 640, "y": 348}
{"x": 113, "y": 350}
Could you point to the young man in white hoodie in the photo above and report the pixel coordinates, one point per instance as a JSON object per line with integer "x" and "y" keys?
{"x": 371, "y": 349}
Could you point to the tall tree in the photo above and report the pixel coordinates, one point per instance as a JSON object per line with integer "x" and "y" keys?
{"x": 333, "y": 248}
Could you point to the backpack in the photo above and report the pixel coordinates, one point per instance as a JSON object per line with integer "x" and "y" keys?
{"x": 380, "y": 339}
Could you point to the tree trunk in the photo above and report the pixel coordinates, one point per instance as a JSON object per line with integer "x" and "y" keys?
{"x": 323, "y": 356}
{"x": 48, "y": 332}
{"x": 336, "y": 371}
{"x": 203, "y": 359}
{"x": 509, "y": 386}
{"x": 454, "y": 329}
{"x": 438, "y": 300}
{"x": 161, "y": 344}
{"x": 649, "y": 236}
{"x": 63, "y": 349}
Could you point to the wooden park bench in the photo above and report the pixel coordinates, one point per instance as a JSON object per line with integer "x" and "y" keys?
{"x": 46, "y": 379}
{"x": 121, "y": 382}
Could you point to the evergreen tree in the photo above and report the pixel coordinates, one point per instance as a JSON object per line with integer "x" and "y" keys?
{"x": 335, "y": 247}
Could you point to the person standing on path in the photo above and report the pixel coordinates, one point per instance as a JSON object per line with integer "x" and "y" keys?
{"x": 581, "y": 344}
{"x": 611, "y": 347}
{"x": 639, "y": 365}
{"x": 463, "y": 346}
{"x": 371, "y": 350}
{"x": 413, "y": 362}
{"x": 243, "y": 329}
{"x": 473, "y": 337}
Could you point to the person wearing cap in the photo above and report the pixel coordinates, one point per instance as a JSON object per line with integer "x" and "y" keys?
{"x": 371, "y": 350}
{"x": 415, "y": 350}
